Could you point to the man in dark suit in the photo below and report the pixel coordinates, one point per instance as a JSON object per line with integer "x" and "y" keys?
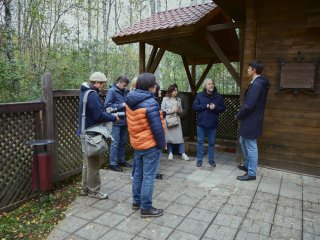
{"x": 251, "y": 119}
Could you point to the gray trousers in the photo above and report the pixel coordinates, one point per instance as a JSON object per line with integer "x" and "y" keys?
{"x": 90, "y": 174}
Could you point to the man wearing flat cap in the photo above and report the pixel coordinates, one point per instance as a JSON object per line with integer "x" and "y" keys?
{"x": 95, "y": 113}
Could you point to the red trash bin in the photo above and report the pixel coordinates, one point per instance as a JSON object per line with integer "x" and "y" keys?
{"x": 44, "y": 171}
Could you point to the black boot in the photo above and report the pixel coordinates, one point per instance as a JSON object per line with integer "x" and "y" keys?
{"x": 152, "y": 212}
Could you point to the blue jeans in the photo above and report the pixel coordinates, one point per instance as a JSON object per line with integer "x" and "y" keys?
{"x": 211, "y": 134}
{"x": 250, "y": 153}
{"x": 181, "y": 147}
{"x": 118, "y": 146}
{"x": 146, "y": 167}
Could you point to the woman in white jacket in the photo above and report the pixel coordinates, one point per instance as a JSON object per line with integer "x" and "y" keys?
{"x": 171, "y": 104}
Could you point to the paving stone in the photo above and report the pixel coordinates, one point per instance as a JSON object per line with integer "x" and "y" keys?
{"x": 71, "y": 224}
{"x": 256, "y": 226}
{"x": 114, "y": 184}
{"x": 263, "y": 205}
{"x": 269, "y": 185}
{"x": 243, "y": 235}
{"x": 309, "y": 236}
{"x": 179, "y": 235}
{"x": 268, "y": 197}
{"x": 179, "y": 209}
{"x": 243, "y": 201}
{"x": 92, "y": 231}
{"x": 311, "y": 197}
{"x": 74, "y": 237}
{"x": 180, "y": 175}
{"x": 290, "y": 202}
{"x": 188, "y": 200}
{"x": 156, "y": 232}
{"x": 264, "y": 216}
{"x": 57, "y": 234}
{"x": 227, "y": 220}
{"x": 168, "y": 220}
{"x": 289, "y": 212}
{"x": 186, "y": 170}
{"x": 115, "y": 234}
{"x": 234, "y": 210}
{"x": 311, "y": 207}
{"x": 202, "y": 215}
{"x": 122, "y": 208}
{"x": 288, "y": 222}
{"x": 176, "y": 179}
{"x": 312, "y": 181}
{"x": 196, "y": 191}
{"x": 168, "y": 196}
{"x": 311, "y": 223}
{"x": 109, "y": 219}
{"x": 212, "y": 203}
{"x": 105, "y": 204}
{"x": 161, "y": 203}
{"x": 271, "y": 173}
{"x": 199, "y": 175}
{"x": 291, "y": 190}
{"x": 279, "y": 232}
{"x": 174, "y": 168}
{"x": 218, "y": 232}
{"x": 133, "y": 225}
{"x": 120, "y": 195}
{"x": 292, "y": 178}
{"x": 193, "y": 226}
{"x": 89, "y": 213}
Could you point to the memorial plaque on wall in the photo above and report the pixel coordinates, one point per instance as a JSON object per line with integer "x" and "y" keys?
{"x": 297, "y": 75}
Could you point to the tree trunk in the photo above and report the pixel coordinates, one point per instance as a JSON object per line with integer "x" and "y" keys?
{"x": 152, "y": 6}
{"x": 8, "y": 29}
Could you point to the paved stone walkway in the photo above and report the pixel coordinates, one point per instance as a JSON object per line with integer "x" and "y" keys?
{"x": 201, "y": 203}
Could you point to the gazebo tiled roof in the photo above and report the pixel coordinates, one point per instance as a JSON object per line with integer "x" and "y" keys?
{"x": 183, "y": 31}
{"x": 169, "y": 19}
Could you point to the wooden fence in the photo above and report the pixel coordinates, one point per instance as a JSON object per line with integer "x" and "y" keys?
{"x": 56, "y": 117}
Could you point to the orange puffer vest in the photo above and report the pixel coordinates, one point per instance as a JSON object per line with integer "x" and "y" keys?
{"x": 141, "y": 136}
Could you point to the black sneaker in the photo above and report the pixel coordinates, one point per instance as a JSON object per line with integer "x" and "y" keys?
{"x": 152, "y": 212}
{"x": 199, "y": 164}
{"x": 159, "y": 176}
{"x": 135, "y": 206}
{"x": 212, "y": 163}
{"x": 125, "y": 164}
{"x": 115, "y": 168}
{"x": 246, "y": 177}
{"x": 243, "y": 168}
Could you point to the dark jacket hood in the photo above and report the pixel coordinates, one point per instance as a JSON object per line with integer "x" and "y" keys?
{"x": 137, "y": 96}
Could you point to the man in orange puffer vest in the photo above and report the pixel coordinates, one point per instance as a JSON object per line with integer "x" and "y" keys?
{"x": 147, "y": 137}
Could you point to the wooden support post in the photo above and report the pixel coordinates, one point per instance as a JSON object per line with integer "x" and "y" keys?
{"x": 157, "y": 60}
{"x": 151, "y": 58}
{"x": 142, "y": 57}
{"x": 186, "y": 67}
{"x": 223, "y": 58}
{"x": 203, "y": 76}
{"x": 48, "y": 119}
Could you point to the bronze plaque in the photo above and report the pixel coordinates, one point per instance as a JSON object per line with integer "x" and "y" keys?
{"x": 297, "y": 75}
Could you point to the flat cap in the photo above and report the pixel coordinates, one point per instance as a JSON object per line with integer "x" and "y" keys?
{"x": 98, "y": 77}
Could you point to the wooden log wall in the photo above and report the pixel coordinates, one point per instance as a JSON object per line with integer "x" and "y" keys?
{"x": 291, "y": 135}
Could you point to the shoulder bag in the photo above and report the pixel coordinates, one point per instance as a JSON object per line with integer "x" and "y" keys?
{"x": 94, "y": 140}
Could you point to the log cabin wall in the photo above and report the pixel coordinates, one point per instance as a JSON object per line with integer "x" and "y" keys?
{"x": 291, "y": 135}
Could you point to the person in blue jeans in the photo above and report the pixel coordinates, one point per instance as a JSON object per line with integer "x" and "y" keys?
{"x": 147, "y": 137}
{"x": 251, "y": 119}
{"x": 208, "y": 104}
{"x": 115, "y": 101}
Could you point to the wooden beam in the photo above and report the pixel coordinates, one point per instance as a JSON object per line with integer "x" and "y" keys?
{"x": 157, "y": 60}
{"x": 223, "y": 58}
{"x": 142, "y": 57}
{"x": 224, "y": 26}
{"x": 203, "y": 76}
{"x": 186, "y": 67}
{"x": 151, "y": 58}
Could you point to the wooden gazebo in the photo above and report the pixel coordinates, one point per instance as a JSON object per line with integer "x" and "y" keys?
{"x": 200, "y": 34}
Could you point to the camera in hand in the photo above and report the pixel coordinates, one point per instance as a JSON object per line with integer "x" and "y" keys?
{"x": 114, "y": 112}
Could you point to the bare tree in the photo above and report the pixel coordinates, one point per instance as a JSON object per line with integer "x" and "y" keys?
{"x": 152, "y": 6}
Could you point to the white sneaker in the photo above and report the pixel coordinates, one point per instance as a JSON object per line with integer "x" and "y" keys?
{"x": 170, "y": 156}
{"x": 98, "y": 195}
{"x": 184, "y": 157}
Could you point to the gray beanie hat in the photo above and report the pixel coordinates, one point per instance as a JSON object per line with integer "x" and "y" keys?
{"x": 98, "y": 77}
